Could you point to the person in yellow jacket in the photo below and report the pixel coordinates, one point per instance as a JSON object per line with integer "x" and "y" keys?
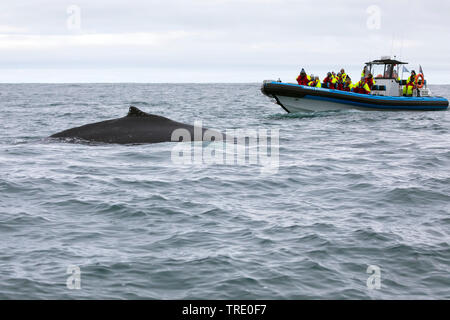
{"x": 315, "y": 83}
{"x": 343, "y": 75}
{"x": 410, "y": 85}
{"x": 361, "y": 87}
{"x": 348, "y": 85}
{"x": 330, "y": 81}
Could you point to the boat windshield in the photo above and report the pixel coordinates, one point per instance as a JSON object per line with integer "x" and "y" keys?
{"x": 385, "y": 71}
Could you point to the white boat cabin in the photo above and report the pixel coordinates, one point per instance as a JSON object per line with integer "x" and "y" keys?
{"x": 386, "y": 73}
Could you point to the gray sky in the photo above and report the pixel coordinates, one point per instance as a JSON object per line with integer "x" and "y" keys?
{"x": 216, "y": 40}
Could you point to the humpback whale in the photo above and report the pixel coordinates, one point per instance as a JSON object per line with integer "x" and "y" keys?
{"x": 139, "y": 127}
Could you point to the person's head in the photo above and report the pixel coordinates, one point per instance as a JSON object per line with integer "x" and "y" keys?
{"x": 342, "y": 71}
{"x": 413, "y": 72}
{"x": 329, "y": 74}
{"x": 333, "y": 73}
{"x": 370, "y": 76}
{"x": 348, "y": 79}
{"x": 303, "y": 72}
{"x": 316, "y": 78}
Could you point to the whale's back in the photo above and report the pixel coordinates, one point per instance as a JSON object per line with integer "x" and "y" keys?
{"x": 136, "y": 127}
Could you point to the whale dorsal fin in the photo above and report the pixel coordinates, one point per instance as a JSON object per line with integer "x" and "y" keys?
{"x": 135, "y": 112}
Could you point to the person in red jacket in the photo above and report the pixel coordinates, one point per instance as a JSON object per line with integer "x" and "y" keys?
{"x": 303, "y": 79}
{"x": 329, "y": 81}
{"x": 369, "y": 80}
{"x": 340, "y": 82}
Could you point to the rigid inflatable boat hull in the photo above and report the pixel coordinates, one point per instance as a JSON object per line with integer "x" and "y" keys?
{"x": 291, "y": 104}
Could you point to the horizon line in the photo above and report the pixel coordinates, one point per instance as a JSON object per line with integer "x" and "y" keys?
{"x": 140, "y": 82}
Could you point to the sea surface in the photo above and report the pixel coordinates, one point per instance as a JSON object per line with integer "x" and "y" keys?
{"x": 348, "y": 190}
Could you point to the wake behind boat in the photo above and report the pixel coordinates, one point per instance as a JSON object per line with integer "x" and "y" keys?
{"x": 386, "y": 94}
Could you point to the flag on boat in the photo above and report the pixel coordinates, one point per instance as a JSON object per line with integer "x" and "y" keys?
{"x": 405, "y": 70}
{"x": 420, "y": 69}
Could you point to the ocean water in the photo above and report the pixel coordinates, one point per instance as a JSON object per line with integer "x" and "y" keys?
{"x": 351, "y": 189}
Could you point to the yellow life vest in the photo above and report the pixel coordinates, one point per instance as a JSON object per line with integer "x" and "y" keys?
{"x": 349, "y": 85}
{"x": 313, "y": 84}
{"x": 363, "y": 74}
{"x": 411, "y": 80}
{"x": 365, "y": 86}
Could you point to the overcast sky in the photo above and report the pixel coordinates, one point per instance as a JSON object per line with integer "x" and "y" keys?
{"x": 216, "y": 40}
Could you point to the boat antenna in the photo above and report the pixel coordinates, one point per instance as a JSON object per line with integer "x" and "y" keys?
{"x": 401, "y": 46}
{"x": 392, "y": 44}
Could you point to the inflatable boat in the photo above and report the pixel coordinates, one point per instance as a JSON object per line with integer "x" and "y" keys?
{"x": 297, "y": 98}
{"x": 385, "y": 95}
